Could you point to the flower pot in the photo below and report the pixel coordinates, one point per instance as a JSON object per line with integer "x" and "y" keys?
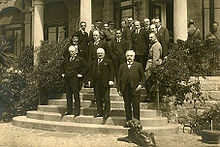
{"x": 212, "y": 137}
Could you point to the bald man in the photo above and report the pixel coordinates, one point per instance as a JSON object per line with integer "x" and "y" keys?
{"x": 73, "y": 71}
{"x": 130, "y": 80}
{"x": 101, "y": 78}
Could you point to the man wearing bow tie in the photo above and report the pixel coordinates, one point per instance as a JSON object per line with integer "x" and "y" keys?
{"x": 130, "y": 80}
{"x": 73, "y": 71}
{"x": 101, "y": 78}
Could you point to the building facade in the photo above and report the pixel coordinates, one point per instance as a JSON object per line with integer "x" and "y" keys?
{"x": 26, "y": 22}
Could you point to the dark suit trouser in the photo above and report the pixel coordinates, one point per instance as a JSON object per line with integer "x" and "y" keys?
{"x": 102, "y": 96}
{"x": 131, "y": 98}
{"x": 69, "y": 91}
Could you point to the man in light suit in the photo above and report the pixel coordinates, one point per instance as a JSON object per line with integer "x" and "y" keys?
{"x": 163, "y": 37}
{"x": 130, "y": 80}
{"x": 101, "y": 78}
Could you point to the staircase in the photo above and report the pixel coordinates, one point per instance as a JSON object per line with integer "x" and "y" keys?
{"x": 49, "y": 117}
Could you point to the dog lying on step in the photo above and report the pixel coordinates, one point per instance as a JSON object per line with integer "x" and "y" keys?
{"x": 137, "y": 136}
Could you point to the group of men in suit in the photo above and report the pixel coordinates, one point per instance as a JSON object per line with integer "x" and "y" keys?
{"x": 119, "y": 59}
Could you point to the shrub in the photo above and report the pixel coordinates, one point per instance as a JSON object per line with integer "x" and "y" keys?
{"x": 186, "y": 59}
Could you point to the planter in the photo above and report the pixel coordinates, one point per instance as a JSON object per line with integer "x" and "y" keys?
{"x": 212, "y": 137}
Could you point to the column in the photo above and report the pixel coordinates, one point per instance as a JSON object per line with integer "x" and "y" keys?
{"x": 180, "y": 19}
{"x": 38, "y": 27}
{"x": 86, "y": 13}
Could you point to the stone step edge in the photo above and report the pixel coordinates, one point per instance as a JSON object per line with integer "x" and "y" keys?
{"x": 111, "y": 101}
{"x": 23, "y": 119}
{"x": 86, "y": 116}
{"x": 61, "y": 106}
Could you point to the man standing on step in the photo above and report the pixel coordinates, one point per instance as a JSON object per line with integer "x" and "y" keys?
{"x": 130, "y": 81}
{"x": 74, "y": 70}
{"x": 101, "y": 78}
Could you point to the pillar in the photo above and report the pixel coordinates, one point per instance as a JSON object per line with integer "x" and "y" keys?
{"x": 86, "y": 13}
{"x": 180, "y": 19}
{"x": 38, "y": 27}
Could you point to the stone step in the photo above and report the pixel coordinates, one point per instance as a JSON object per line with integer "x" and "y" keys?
{"x": 144, "y": 113}
{"x": 90, "y": 96}
{"x": 113, "y": 120}
{"x": 23, "y": 121}
{"x": 86, "y": 103}
{"x": 112, "y": 90}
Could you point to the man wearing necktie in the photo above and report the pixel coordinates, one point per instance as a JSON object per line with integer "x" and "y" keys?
{"x": 101, "y": 78}
{"x": 130, "y": 80}
{"x": 83, "y": 41}
{"x": 73, "y": 71}
{"x": 140, "y": 43}
{"x": 98, "y": 43}
{"x": 119, "y": 47}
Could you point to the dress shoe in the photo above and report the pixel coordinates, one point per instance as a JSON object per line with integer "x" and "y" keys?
{"x": 67, "y": 113}
{"x": 98, "y": 115}
{"x": 126, "y": 125}
{"x": 105, "y": 116}
{"x": 77, "y": 114}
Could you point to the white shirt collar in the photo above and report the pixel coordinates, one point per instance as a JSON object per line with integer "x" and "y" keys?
{"x": 159, "y": 28}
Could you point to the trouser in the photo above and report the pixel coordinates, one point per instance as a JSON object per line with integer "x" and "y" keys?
{"x": 69, "y": 92}
{"x": 131, "y": 97}
{"x": 102, "y": 96}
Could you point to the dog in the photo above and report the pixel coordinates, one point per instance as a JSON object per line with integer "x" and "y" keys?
{"x": 138, "y": 136}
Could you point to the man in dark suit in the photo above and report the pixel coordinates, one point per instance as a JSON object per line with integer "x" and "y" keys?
{"x": 128, "y": 30}
{"x": 101, "y": 78}
{"x": 83, "y": 40}
{"x": 73, "y": 70}
{"x": 130, "y": 80}
{"x": 163, "y": 37}
{"x": 140, "y": 43}
{"x": 119, "y": 47}
{"x": 98, "y": 43}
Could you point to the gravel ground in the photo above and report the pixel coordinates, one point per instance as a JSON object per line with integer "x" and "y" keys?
{"x": 15, "y": 136}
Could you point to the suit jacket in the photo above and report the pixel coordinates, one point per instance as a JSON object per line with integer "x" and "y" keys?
{"x": 119, "y": 48}
{"x": 164, "y": 38}
{"x": 140, "y": 42}
{"x": 93, "y": 48}
{"x": 72, "y": 68}
{"x": 83, "y": 38}
{"x": 155, "y": 54}
{"x": 127, "y": 35}
{"x": 106, "y": 70}
{"x": 135, "y": 75}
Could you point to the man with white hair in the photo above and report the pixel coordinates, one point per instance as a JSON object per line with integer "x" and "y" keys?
{"x": 73, "y": 71}
{"x": 130, "y": 80}
{"x": 101, "y": 77}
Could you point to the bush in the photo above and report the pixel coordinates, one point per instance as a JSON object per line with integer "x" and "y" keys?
{"x": 186, "y": 59}
{"x": 203, "y": 121}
